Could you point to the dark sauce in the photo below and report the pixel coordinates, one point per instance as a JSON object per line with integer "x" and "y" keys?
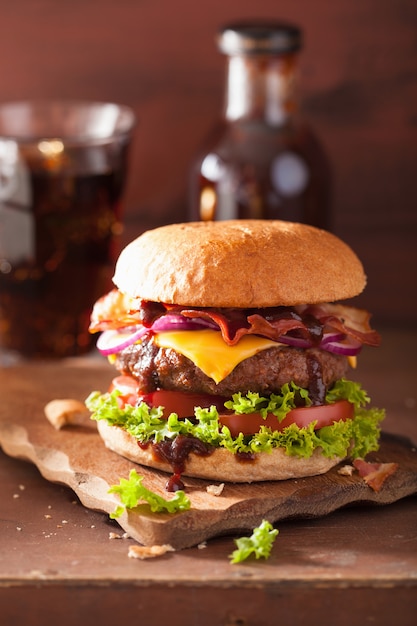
{"x": 314, "y": 327}
{"x": 316, "y": 387}
{"x": 278, "y": 312}
{"x": 150, "y": 311}
{"x": 175, "y": 452}
{"x": 313, "y": 330}
{"x": 245, "y": 457}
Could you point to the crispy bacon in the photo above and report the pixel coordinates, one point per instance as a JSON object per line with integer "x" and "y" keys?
{"x": 235, "y": 323}
{"x": 346, "y": 319}
{"x": 374, "y": 474}
{"x": 273, "y": 323}
{"x": 114, "y": 310}
{"x": 117, "y": 310}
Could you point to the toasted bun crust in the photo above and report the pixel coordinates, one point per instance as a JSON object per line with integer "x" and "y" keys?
{"x": 239, "y": 263}
{"x": 221, "y": 464}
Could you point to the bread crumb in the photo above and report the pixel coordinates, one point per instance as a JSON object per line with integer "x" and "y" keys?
{"x": 65, "y": 412}
{"x": 115, "y": 536}
{"x": 346, "y": 470}
{"x": 148, "y": 552}
{"x": 215, "y": 490}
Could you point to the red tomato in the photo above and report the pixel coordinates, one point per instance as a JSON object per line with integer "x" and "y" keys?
{"x": 125, "y": 384}
{"x": 183, "y": 405}
{"x": 324, "y": 415}
{"x": 173, "y": 401}
{"x": 129, "y": 390}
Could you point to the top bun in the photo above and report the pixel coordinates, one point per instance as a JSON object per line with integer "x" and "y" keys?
{"x": 239, "y": 263}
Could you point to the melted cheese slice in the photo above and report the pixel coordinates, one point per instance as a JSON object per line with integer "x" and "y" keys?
{"x": 208, "y": 351}
{"x": 352, "y": 360}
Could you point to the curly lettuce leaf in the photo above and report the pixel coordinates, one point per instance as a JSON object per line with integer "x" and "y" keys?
{"x": 354, "y": 437}
{"x": 258, "y": 544}
{"x": 344, "y": 389}
{"x": 279, "y": 405}
{"x": 132, "y": 492}
{"x": 141, "y": 421}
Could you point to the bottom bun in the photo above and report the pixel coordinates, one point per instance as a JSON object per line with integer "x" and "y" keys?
{"x": 221, "y": 465}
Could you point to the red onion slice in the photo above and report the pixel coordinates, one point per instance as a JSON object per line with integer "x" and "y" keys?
{"x": 348, "y": 347}
{"x": 295, "y": 342}
{"x": 331, "y": 337}
{"x": 172, "y": 321}
{"x": 332, "y": 342}
{"x": 113, "y": 341}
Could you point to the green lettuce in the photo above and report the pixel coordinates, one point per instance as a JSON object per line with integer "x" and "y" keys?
{"x": 132, "y": 492}
{"x": 279, "y": 405}
{"x": 259, "y": 543}
{"x": 354, "y": 437}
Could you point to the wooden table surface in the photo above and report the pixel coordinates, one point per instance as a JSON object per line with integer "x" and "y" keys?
{"x": 60, "y": 564}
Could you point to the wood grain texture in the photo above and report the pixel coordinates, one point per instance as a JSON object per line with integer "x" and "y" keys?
{"x": 357, "y": 565}
{"x": 76, "y": 457}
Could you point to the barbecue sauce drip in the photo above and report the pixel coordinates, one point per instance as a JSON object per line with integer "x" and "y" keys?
{"x": 175, "y": 452}
{"x": 150, "y": 311}
{"x": 316, "y": 387}
{"x": 245, "y": 457}
{"x": 314, "y": 327}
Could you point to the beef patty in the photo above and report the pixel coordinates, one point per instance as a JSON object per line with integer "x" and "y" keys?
{"x": 265, "y": 372}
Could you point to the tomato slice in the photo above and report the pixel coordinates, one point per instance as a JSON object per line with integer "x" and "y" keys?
{"x": 128, "y": 388}
{"x": 324, "y": 415}
{"x": 181, "y": 403}
{"x": 125, "y": 384}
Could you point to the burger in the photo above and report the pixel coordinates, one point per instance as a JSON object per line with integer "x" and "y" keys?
{"x": 232, "y": 343}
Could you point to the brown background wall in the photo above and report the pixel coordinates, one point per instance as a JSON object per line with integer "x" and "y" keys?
{"x": 359, "y": 89}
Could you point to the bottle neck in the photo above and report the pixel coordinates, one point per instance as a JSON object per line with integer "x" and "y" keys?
{"x": 261, "y": 87}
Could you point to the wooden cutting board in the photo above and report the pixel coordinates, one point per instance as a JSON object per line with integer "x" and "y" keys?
{"x": 75, "y": 456}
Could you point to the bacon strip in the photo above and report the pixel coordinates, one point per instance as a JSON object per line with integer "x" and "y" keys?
{"x": 374, "y": 474}
{"x": 345, "y": 319}
{"x": 116, "y": 310}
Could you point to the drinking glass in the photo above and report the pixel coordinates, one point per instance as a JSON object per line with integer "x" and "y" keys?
{"x": 63, "y": 168}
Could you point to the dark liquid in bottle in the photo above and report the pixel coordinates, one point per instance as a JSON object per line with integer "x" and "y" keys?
{"x": 253, "y": 171}
{"x": 46, "y": 300}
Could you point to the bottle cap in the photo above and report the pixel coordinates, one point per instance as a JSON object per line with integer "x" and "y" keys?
{"x": 259, "y": 38}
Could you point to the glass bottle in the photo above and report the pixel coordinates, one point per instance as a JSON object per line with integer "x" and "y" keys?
{"x": 262, "y": 161}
